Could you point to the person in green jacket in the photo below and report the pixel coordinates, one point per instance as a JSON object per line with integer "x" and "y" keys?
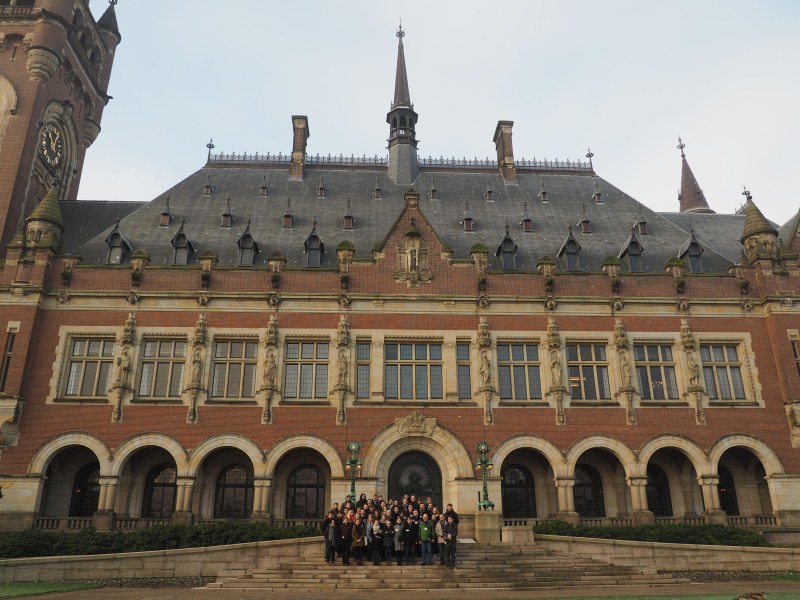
{"x": 426, "y": 535}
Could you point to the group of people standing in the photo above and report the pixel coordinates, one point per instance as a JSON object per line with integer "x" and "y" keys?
{"x": 380, "y": 531}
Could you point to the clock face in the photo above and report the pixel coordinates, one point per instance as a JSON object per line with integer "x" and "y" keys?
{"x": 52, "y": 144}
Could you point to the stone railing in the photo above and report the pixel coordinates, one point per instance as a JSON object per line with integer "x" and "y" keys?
{"x": 285, "y": 523}
{"x": 130, "y": 523}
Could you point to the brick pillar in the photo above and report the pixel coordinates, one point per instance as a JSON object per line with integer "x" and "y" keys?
{"x": 505, "y": 150}
{"x": 299, "y": 142}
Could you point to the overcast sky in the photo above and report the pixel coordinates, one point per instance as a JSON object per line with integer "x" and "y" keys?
{"x": 622, "y": 77}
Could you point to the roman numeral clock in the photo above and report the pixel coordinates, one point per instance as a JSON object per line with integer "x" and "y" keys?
{"x": 51, "y": 145}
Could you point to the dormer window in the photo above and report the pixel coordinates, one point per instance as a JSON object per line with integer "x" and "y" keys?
{"x": 263, "y": 190}
{"x": 166, "y": 215}
{"x": 321, "y": 191}
{"x": 182, "y": 247}
{"x": 507, "y": 252}
{"x": 433, "y": 194}
{"x": 468, "y": 225}
{"x": 527, "y": 225}
{"x": 115, "y": 249}
{"x": 586, "y": 226}
{"x": 288, "y": 221}
{"x": 694, "y": 252}
{"x": 248, "y": 249}
{"x": 117, "y": 246}
{"x": 227, "y": 217}
{"x": 377, "y": 192}
{"x": 571, "y": 253}
{"x": 489, "y": 194}
{"x": 314, "y": 251}
{"x": 634, "y": 256}
{"x": 347, "y": 222}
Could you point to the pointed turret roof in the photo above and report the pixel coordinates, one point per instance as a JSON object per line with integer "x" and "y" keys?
{"x": 108, "y": 21}
{"x": 691, "y": 197}
{"x": 754, "y": 221}
{"x": 402, "y": 97}
{"x": 48, "y": 209}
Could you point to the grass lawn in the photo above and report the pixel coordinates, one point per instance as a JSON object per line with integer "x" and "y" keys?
{"x": 12, "y": 590}
{"x": 770, "y": 596}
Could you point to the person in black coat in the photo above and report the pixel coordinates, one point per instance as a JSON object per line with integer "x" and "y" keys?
{"x": 450, "y": 532}
{"x": 451, "y": 513}
{"x": 345, "y": 540}
{"x": 410, "y": 537}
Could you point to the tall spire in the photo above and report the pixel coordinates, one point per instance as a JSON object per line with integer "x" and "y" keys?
{"x": 691, "y": 197}
{"x": 108, "y": 22}
{"x": 402, "y": 120}
{"x": 402, "y": 97}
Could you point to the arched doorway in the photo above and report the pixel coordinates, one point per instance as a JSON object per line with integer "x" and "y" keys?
{"x": 727, "y": 492}
{"x": 159, "y": 492}
{"x": 588, "y": 491}
{"x": 415, "y": 473}
{"x": 305, "y": 493}
{"x": 519, "y": 500}
{"x": 234, "y": 493}
{"x": 85, "y": 491}
{"x": 659, "y": 500}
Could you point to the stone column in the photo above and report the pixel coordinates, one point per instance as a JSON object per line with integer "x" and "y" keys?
{"x": 261, "y": 492}
{"x": 641, "y": 514}
{"x": 566, "y": 500}
{"x": 713, "y": 513}
{"x": 103, "y": 519}
{"x": 183, "y": 501}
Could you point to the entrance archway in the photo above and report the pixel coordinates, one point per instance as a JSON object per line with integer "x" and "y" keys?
{"x": 415, "y": 473}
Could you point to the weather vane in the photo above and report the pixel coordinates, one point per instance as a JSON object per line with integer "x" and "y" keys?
{"x": 681, "y": 146}
{"x": 746, "y": 193}
{"x": 400, "y": 33}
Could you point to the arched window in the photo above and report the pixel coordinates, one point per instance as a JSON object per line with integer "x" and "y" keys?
{"x": 248, "y": 250}
{"x": 519, "y": 498}
{"x": 234, "y": 493}
{"x": 314, "y": 248}
{"x": 159, "y": 492}
{"x": 571, "y": 253}
{"x": 507, "y": 250}
{"x": 727, "y": 492}
{"x": 85, "y": 491}
{"x": 305, "y": 493}
{"x": 181, "y": 249}
{"x": 658, "y": 497}
{"x": 115, "y": 249}
{"x": 588, "y": 492}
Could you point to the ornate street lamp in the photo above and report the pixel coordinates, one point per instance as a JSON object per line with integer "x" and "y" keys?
{"x": 484, "y": 464}
{"x": 353, "y": 466}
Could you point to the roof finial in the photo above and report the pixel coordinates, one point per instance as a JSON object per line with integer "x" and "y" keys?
{"x": 348, "y": 207}
{"x": 681, "y": 146}
{"x": 525, "y": 209}
{"x": 589, "y": 155}
{"x": 746, "y": 193}
{"x": 210, "y": 146}
{"x": 113, "y": 2}
{"x": 400, "y": 33}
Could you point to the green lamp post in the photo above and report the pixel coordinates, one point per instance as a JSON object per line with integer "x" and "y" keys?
{"x": 484, "y": 464}
{"x": 353, "y": 466}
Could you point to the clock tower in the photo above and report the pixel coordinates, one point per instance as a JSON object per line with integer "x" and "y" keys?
{"x": 55, "y": 65}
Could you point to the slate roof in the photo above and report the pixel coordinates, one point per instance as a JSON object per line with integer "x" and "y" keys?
{"x": 567, "y": 193}
{"x": 84, "y": 219}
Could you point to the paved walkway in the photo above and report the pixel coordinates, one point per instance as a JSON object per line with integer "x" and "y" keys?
{"x": 732, "y": 589}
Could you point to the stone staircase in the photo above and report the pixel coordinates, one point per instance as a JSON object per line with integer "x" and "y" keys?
{"x": 479, "y": 567}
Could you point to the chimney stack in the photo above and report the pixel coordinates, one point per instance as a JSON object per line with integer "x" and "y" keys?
{"x": 299, "y": 142}
{"x": 505, "y": 150}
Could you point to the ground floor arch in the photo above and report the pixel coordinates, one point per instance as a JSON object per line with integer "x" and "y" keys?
{"x": 415, "y": 473}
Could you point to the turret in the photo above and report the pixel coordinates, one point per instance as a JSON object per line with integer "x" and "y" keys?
{"x": 691, "y": 197}
{"x": 402, "y": 120}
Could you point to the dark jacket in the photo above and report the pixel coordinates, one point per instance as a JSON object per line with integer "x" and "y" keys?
{"x": 450, "y": 532}
{"x": 346, "y": 531}
{"x": 410, "y": 534}
{"x": 451, "y": 513}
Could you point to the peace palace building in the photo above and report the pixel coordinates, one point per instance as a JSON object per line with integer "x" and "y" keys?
{"x": 211, "y": 353}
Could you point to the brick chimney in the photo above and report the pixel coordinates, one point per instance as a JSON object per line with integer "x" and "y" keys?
{"x": 299, "y": 141}
{"x": 505, "y": 150}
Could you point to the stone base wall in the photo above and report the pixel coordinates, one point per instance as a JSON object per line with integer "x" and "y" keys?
{"x": 188, "y": 562}
{"x": 676, "y": 557}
